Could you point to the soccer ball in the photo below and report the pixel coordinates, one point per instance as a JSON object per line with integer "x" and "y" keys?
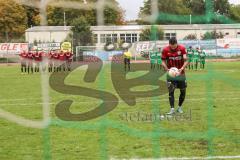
{"x": 126, "y": 45}
{"x": 173, "y": 72}
{"x": 110, "y": 47}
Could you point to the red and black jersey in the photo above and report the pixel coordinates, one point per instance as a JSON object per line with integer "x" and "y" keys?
{"x": 68, "y": 55}
{"x": 62, "y": 56}
{"x": 50, "y": 55}
{"x": 37, "y": 56}
{"x": 23, "y": 54}
{"x": 174, "y": 58}
{"x": 55, "y": 55}
{"x": 30, "y": 55}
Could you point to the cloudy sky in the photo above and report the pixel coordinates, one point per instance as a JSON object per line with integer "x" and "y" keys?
{"x": 132, "y": 7}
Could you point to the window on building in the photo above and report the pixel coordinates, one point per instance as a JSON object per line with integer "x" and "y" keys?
{"x": 108, "y": 38}
{"x": 167, "y": 36}
{"x": 123, "y": 37}
{"x": 238, "y": 34}
{"x": 114, "y": 38}
{"x": 134, "y": 37}
{"x": 95, "y": 38}
{"x": 226, "y": 33}
{"x": 103, "y": 38}
{"x": 128, "y": 38}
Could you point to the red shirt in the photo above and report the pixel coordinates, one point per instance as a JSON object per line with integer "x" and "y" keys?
{"x": 174, "y": 58}
{"x": 30, "y": 55}
{"x": 69, "y": 55}
{"x": 23, "y": 55}
{"x": 62, "y": 56}
{"x": 55, "y": 55}
{"x": 50, "y": 55}
{"x": 38, "y": 56}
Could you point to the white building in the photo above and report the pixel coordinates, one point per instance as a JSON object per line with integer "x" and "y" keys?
{"x": 129, "y": 33}
{"x": 47, "y": 33}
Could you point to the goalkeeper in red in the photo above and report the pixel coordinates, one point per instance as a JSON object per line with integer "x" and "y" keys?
{"x": 174, "y": 55}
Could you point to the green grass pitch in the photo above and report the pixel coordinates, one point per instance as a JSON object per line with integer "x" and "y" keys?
{"x": 213, "y": 96}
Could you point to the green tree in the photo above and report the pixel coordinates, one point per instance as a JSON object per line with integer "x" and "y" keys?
{"x": 153, "y": 33}
{"x": 216, "y": 11}
{"x": 190, "y": 37}
{"x": 13, "y": 20}
{"x": 222, "y": 7}
{"x": 235, "y": 12}
{"x": 213, "y": 35}
{"x": 164, "y": 6}
{"x": 33, "y": 17}
{"x": 111, "y": 16}
{"x": 197, "y": 7}
{"x": 82, "y": 34}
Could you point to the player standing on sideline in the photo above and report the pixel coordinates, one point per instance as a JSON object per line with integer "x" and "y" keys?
{"x": 159, "y": 58}
{"x": 153, "y": 59}
{"x": 56, "y": 61}
{"x": 62, "y": 59}
{"x": 175, "y": 55}
{"x": 202, "y": 56}
{"x": 127, "y": 59}
{"x": 196, "y": 58}
{"x": 23, "y": 59}
{"x": 50, "y": 61}
{"x": 30, "y": 61}
{"x": 38, "y": 58}
{"x": 190, "y": 53}
{"x": 69, "y": 60}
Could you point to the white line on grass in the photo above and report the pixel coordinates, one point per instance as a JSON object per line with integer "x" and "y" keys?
{"x": 183, "y": 158}
{"x": 29, "y": 99}
{"x": 120, "y": 101}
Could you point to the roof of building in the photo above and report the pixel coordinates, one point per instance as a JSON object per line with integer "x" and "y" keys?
{"x": 167, "y": 27}
{"x": 48, "y": 28}
{"x": 138, "y": 27}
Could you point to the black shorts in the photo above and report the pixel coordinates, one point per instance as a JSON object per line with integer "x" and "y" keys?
{"x": 126, "y": 61}
{"x": 180, "y": 83}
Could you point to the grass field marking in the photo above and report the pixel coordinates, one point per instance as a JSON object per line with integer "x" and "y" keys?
{"x": 184, "y": 158}
{"x": 22, "y": 121}
{"x": 200, "y": 93}
{"x": 121, "y": 101}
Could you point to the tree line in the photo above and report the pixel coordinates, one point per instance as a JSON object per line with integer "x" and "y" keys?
{"x": 15, "y": 18}
{"x": 202, "y": 11}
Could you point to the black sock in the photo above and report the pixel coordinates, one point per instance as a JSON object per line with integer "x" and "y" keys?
{"x": 182, "y": 96}
{"x": 171, "y": 99}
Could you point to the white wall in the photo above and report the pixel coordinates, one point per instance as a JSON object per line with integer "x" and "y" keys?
{"x": 46, "y": 36}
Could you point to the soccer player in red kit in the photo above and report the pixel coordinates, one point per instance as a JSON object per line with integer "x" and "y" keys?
{"x": 50, "y": 61}
{"x": 69, "y": 59}
{"x": 23, "y": 59}
{"x": 62, "y": 58}
{"x": 38, "y": 58}
{"x": 56, "y": 61}
{"x": 175, "y": 55}
{"x": 30, "y": 61}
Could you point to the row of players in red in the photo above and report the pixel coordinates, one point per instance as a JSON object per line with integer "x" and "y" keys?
{"x": 40, "y": 55}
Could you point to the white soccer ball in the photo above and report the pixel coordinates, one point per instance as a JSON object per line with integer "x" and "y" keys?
{"x": 110, "y": 47}
{"x": 173, "y": 72}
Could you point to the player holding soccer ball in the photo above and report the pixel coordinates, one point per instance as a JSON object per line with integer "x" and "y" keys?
{"x": 174, "y": 60}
